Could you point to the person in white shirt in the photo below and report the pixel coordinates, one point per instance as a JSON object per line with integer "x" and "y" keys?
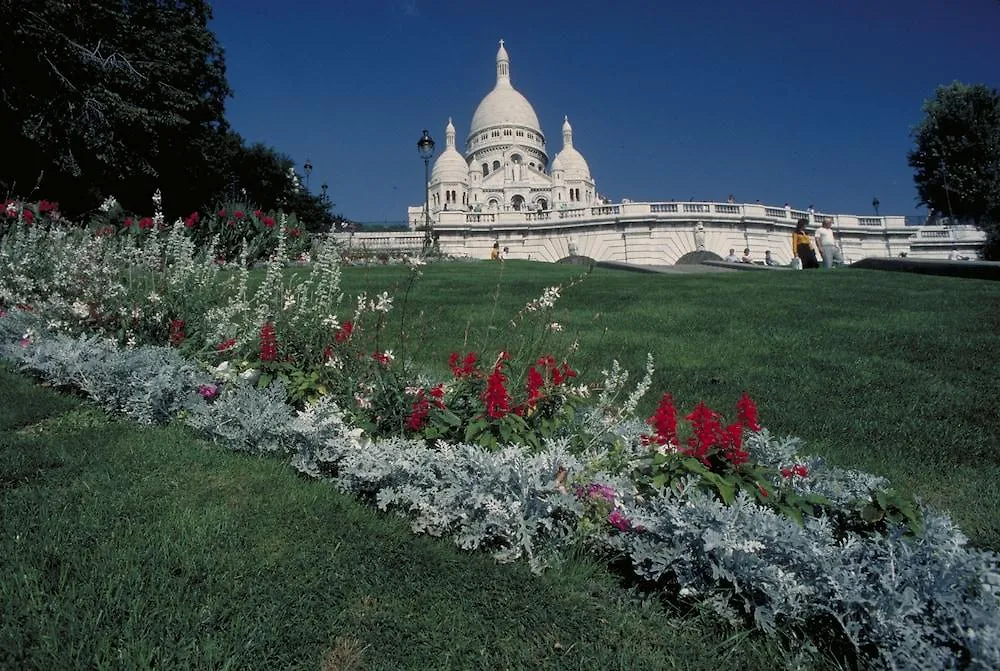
{"x": 768, "y": 259}
{"x": 827, "y": 244}
{"x": 746, "y": 258}
{"x": 732, "y": 258}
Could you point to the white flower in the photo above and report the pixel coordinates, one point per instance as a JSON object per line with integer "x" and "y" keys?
{"x": 362, "y": 402}
{"x": 555, "y": 327}
{"x": 414, "y": 262}
{"x": 153, "y": 297}
{"x": 331, "y": 322}
{"x": 109, "y": 204}
{"x": 382, "y": 303}
{"x": 289, "y": 300}
{"x": 157, "y": 198}
{"x": 80, "y": 310}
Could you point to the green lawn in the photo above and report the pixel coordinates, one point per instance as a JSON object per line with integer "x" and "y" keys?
{"x": 129, "y": 547}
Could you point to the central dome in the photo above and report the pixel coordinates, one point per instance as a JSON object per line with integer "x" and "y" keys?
{"x": 504, "y": 105}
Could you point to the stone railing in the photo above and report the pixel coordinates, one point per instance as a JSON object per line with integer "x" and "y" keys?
{"x": 683, "y": 211}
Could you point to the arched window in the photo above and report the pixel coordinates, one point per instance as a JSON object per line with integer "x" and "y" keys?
{"x": 486, "y": 169}
{"x": 515, "y": 159}
{"x": 454, "y": 198}
{"x": 543, "y": 204}
{"x": 493, "y": 204}
{"x": 496, "y": 165}
{"x": 517, "y": 202}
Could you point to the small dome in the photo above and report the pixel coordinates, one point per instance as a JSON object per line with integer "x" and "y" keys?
{"x": 450, "y": 166}
{"x": 569, "y": 160}
{"x": 504, "y": 105}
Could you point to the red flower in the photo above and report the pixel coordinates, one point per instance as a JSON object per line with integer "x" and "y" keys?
{"x": 239, "y": 214}
{"x": 268, "y": 342}
{"x": 225, "y": 344}
{"x": 295, "y": 232}
{"x": 382, "y": 358}
{"x": 344, "y": 332}
{"x": 798, "y": 470}
{"x": 145, "y": 223}
{"x": 258, "y": 213}
{"x": 437, "y": 393}
{"x": 707, "y": 432}
{"x": 496, "y": 396}
{"x": 127, "y": 223}
{"x": 192, "y": 220}
{"x": 29, "y": 216}
{"x": 664, "y": 423}
{"x": 535, "y": 384}
{"x": 269, "y": 222}
{"x": 418, "y": 412}
{"x": 746, "y": 411}
{"x": 464, "y": 369}
{"x": 222, "y": 212}
{"x": 732, "y": 449}
{"x": 176, "y": 332}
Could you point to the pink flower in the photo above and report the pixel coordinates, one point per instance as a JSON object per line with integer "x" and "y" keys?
{"x": 619, "y": 521}
{"x": 208, "y": 391}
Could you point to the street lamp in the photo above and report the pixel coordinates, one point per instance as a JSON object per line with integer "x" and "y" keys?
{"x": 875, "y": 204}
{"x": 323, "y": 187}
{"x": 308, "y": 168}
{"x": 425, "y": 146}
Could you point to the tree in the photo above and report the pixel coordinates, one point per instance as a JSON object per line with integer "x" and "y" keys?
{"x": 111, "y": 96}
{"x": 956, "y": 160}
{"x": 266, "y": 178}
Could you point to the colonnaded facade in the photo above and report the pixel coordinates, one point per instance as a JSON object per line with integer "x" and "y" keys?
{"x": 505, "y": 190}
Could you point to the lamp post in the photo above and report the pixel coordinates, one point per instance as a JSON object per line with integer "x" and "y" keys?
{"x": 875, "y": 204}
{"x": 323, "y": 187}
{"x": 425, "y": 146}
{"x": 308, "y": 167}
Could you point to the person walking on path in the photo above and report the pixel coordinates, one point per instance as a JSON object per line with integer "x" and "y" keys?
{"x": 827, "y": 244}
{"x": 802, "y": 248}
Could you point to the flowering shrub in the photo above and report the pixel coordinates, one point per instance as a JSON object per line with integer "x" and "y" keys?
{"x": 483, "y": 407}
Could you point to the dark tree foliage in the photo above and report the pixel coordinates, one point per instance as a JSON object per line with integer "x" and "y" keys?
{"x": 956, "y": 159}
{"x": 115, "y": 97}
{"x": 266, "y": 178}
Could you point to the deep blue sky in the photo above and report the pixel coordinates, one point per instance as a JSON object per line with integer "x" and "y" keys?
{"x": 809, "y": 102}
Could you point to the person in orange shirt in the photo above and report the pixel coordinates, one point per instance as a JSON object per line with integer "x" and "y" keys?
{"x": 802, "y": 246}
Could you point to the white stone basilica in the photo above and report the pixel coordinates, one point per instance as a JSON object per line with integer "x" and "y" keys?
{"x": 506, "y": 164}
{"x": 505, "y": 191}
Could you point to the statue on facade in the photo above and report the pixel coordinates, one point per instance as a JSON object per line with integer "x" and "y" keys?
{"x": 699, "y": 236}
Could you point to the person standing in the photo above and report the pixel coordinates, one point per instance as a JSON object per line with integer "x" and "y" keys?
{"x": 495, "y": 252}
{"x": 802, "y": 247}
{"x": 827, "y": 244}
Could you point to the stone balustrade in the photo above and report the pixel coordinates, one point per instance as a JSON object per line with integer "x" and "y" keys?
{"x": 660, "y": 233}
